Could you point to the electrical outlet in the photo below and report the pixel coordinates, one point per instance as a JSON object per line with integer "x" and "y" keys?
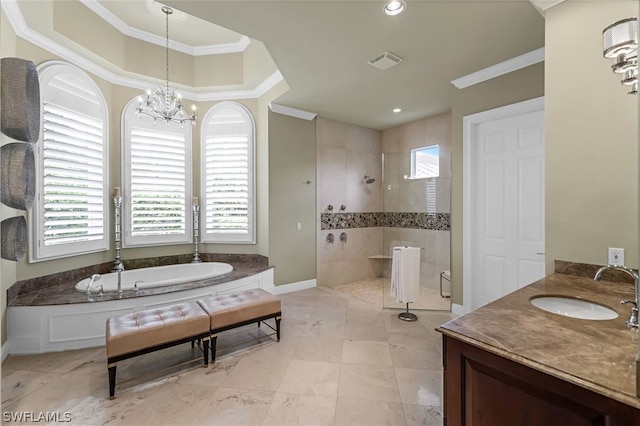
{"x": 616, "y": 256}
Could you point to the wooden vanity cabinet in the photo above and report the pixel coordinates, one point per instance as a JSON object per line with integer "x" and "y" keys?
{"x": 484, "y": 389}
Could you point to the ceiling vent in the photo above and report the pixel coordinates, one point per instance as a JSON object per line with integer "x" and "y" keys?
{"x": 385, "y": 60}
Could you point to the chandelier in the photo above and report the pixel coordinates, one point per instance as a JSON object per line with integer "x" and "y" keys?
{"x": 620, "y": 41}
{"x": 164, "y": 104}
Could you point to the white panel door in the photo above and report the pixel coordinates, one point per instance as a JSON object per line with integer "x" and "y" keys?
{"x": 508, "y": 218}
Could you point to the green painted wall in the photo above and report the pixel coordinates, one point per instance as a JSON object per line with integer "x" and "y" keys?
{"x": 292, "y": 162}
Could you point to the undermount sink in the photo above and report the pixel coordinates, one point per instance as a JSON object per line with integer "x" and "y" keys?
{"x": 574, "y": 308}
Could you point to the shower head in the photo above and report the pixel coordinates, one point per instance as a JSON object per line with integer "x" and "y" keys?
{"x": 369, "y": 180}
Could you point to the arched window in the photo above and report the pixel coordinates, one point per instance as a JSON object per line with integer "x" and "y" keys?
{"x": 69, "y": 215}
{"x": 156, "y": 180}
{"x": 228, "y": 170}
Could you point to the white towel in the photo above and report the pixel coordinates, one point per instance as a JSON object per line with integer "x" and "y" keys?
{"x": 405, "y": 274}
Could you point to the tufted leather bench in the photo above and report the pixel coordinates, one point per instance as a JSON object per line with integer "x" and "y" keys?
{"x": 138, "y": 333}
{"x": 241, "y": 308}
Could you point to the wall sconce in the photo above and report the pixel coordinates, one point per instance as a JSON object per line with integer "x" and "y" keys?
{"x": 620, "y": 41}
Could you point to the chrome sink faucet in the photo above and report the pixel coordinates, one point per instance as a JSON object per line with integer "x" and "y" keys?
{"x": 633, "y": 319}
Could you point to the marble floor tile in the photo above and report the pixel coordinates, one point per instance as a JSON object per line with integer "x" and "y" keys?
{"x": 331, "y": 313}
{"x": 17, "y": 384}
{"x": 340, "y": 361}
{"x": 324, "y": 328}
{"x": 54, "y": 362}
{"x": 311, "y": 378}
{"x": 292, "y": 327}
{"x": 327, "y": 349}
{"x": 213, "y": 375}
{"x": 360, "y": 412}
{"x": 327, "y": 300}
{"x": 420, "y": 387}
{"x": 64, "y": 394}
{"x": 370, "y": 382}
{"x": 421, "y": 415}
{"x": 295, "y": 312}
{"x": 365, "y": 330}
{"x": 257, "y": 374}
{"x": 408, "y": 351}
{"x": 234, "y": 407}
{"x": 304, "y": 410}
{"x": 366, "y": 352}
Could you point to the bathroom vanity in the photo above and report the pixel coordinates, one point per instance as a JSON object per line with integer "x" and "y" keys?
{"x": 511, "y": 363}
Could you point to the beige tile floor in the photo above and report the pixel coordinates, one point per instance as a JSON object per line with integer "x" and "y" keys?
{"x": 341, "y": 361}
{"x": 376, "y": 291}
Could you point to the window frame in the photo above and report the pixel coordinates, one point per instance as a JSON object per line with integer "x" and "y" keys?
{"x": 230, "y": 238}
{"x": 38, "y": 251}
{"x": 414, "y": 152}
{"x": 129, "y": 116}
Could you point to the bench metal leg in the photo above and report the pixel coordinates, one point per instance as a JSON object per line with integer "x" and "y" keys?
{"x": 112, "y": 380}
{"x": 278, "y": 327}
{"x": 214, "y": 340}
{"x": 205, "y": 351}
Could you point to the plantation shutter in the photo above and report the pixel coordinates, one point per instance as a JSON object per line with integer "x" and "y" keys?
{"x": 156, "y": 181}
{"x": 228, "y": 175}
{"x": 70, "y": 214}
{"x": 73, "y": 176}
{"x": 158, "y": 176}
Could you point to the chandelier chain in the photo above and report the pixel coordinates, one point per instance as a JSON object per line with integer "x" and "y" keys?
{"x": 168, "y": 11}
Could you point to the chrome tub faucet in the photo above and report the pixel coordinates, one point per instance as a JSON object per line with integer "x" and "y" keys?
{"x": 93, "y": 279}
{"x": 633, "y": 319}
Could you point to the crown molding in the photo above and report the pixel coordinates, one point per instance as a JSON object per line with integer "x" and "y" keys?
{"x": 292, "y": 112}
{"x": 124, "y": 28}
{"x": 22, "y": 30}
{"x": 502, "y": 68}
{"x": 542, "y": 5}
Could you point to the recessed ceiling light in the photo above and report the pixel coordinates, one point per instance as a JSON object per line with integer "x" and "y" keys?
{"x": 394, "y": 7}
{"x": 396, "y": 110}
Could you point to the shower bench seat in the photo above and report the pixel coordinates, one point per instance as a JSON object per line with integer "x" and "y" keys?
{"x": 138, "y": 333}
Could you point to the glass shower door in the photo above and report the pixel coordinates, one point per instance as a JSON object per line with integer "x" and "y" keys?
{"x": 416, "y": 213}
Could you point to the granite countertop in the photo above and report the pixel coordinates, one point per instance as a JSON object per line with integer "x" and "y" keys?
{"x": 65, "y": 293}
{"x": 596, "y": 355}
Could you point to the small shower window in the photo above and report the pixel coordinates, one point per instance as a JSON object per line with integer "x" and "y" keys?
{"x": 425, "y": 162}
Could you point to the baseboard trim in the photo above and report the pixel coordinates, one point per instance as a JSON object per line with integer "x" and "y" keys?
{"x": 300, "y": 285}
{"x": 457, "y": 309}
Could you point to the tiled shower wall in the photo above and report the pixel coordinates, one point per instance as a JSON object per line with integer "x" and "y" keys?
{"x": 402, "y": 195}
{"x": 345, "y": 153}
{"x": 380, "y": 215}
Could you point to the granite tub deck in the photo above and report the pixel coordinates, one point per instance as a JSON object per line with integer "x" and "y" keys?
{"x": 597, "y": 355}
{"x": 64, "y": 293}
{"x": 48, "y": 314}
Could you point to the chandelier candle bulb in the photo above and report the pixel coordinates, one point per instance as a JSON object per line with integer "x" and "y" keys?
{"x": 196, "y": 202}
{"x": 116, "y": 192}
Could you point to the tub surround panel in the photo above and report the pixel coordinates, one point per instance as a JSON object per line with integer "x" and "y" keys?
{"x": 596, "y": 355}
{"x": 415, "y": 220}
{"x": 59, "y": 289}
{"x": 50, "y": 328}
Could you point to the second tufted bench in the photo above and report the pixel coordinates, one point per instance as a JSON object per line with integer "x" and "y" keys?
{"x": 241, "y": 308}
{"x": 138, "y": 333}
